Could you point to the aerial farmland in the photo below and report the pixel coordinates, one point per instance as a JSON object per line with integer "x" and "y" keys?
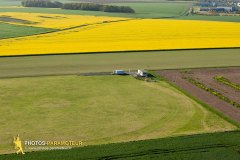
{"x": 149, "y": 79}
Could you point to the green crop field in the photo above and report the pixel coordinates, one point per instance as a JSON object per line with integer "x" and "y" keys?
{"x": 10, "y": 3}
{"x": 143, "y": 10}
{"x": 107, "y": 62}
{"x": 174, "y": 10}
{"x": 10, "y": 31}
{"x": 214, "y": 146}
{"x": 157, "y": 10}
{"x": 98, "y": 109}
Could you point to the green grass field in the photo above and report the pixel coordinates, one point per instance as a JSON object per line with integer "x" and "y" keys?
{"x": 214, "y": 146}
{"x": 10, "y": 3}
{"x": 140, "y": 15}
{"x": 97, "y": 110}
{"x": 11, "y": 31}
{"x": 107, "y": 62}
{"x": 157, "y": 10}
{"x": 143, "y": 10}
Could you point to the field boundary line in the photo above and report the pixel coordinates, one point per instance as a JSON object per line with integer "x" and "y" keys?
{"x": 123, "y": 51}
{"x": 105, "y": 73}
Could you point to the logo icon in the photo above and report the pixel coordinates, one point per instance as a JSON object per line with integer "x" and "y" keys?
{"x": 18, "y": 145}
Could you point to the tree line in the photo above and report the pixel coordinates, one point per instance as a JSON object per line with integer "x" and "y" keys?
{"x": 42, "y": 3}
{"x": 77, "y": 6}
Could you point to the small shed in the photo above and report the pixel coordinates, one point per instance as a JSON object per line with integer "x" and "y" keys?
{"x": 119, "y": 72}
{"x": 142, "y": 73}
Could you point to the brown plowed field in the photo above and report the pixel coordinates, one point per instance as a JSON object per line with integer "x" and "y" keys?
{"x": 205, "y": 76}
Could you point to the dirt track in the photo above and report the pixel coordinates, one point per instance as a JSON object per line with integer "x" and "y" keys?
{"x": 205, "y": 76}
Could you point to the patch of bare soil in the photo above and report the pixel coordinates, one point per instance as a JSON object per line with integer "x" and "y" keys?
{"x": 206, "y": 76}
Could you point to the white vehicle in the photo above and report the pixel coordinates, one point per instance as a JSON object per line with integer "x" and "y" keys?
{"x": 119, "y": 72}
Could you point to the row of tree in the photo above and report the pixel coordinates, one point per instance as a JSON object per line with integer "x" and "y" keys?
{"x": 42, "y": 3}
{"x": 77, "y": 6}
{"x": 97, "y": 7}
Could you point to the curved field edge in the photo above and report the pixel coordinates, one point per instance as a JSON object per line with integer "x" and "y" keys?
{"x": 211, "y": 109}
{"x": 157, "y": 110}
{"x": 221, "y": 145}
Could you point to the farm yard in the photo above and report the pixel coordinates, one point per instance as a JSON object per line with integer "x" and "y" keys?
{"x": 202, "y": 84}
{"x": 75, "y": 106}
{"x": 56, "y": 81}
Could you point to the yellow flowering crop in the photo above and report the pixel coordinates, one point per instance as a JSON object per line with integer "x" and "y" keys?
{"x": 55, "y": 21}
{"x": 139, "y": 34}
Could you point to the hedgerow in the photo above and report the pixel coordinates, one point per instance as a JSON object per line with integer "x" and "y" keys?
{"x": 226, "y": 81}
{"x": 77, "y": 6}
{"x": 213, "y": 92}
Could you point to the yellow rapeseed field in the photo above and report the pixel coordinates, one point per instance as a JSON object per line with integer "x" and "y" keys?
{"x": 55, "y": 21}
{"x": 139, "y": 34}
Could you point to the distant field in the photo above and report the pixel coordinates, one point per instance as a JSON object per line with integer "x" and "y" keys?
{"x": 100, "y": 109}
{"x": 128, "y": 35}
{"x": 11, "y": 31}
{"x": 25, "y": 24}
{"x": 10, "y": 2}
{"x": 54, "y": 21}
{"x": 157, "y": 10}
{"x": 143, "y": 10}
{"x": 160, "y": 10}
{"x": 107, "y": 62}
